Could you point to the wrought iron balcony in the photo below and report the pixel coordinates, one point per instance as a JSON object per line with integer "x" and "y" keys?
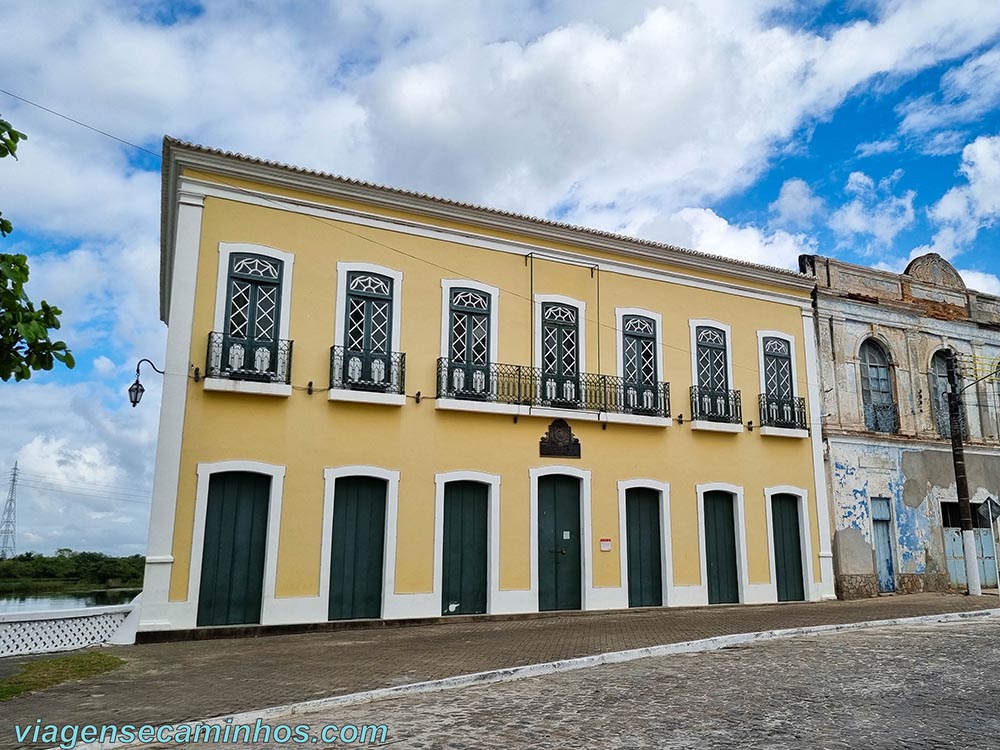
{"x": 529, "y": 386}
{"x": 246, "y": 359}
{"x": 378, "y": 372}
{"x": 882, "y": 417}
{"x": 716, "y": 406}
{"x": 789, "y": 413}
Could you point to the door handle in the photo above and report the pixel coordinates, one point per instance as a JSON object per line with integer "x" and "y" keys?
{"x": 562, "y": 551}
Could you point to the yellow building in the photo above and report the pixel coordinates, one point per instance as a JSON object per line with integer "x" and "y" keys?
{"x": 484, "y": 412}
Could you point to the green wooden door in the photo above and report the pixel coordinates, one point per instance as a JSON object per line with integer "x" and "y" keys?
{"x": 720, "y": 548}
{"x": 232, "y": 563}
{"x": 463, "y": 553}
{"x": 642, "y": 519}
{"x": 559, "y": 585}
{"x": 356, "y": 557}
{"x": 787, "y": 548}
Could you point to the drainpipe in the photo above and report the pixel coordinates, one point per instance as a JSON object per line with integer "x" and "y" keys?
{"x": 961, "y": 479}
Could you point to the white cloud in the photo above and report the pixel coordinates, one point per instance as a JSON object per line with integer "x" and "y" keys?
{"x": 104, "y": 366}
{"x": 970, "y": 207}
{"x": 981, "y": 281}
{"x": 876, "y": 213}
{"x": 703, "y": 230}
{"x": 796, "y": 206}
{"x": 874, "y": 148}
{"x": 966, "y": 94}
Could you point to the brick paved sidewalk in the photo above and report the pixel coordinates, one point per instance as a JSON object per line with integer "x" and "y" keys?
{"x": 170, "y": 682}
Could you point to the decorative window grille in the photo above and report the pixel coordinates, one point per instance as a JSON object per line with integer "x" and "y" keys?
{"x": 469, "y": 342}
{"x": 368, "y": 336}
{"x": 881, "y": 412}
{"x": 778, "y": 368}
{"x": 713, "y": 374}
{"x": 639, "y": 362}
{"x": 250, "y": 345}
{"x": 560, "y": 354}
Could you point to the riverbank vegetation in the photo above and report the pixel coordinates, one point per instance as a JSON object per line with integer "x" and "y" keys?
{"x": 67, "y": 570}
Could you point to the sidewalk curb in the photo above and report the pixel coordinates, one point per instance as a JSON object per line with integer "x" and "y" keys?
{"x": 564, "y": 665}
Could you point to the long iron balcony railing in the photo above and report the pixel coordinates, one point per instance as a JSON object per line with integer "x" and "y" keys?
{"x": 263, "y": 361}
{"x": 882, "y": 417}
{"x": 378, "y": 372}
{"x": 716, "y": 406}
{"x": 789, "y": 413}
{"x": 531, "y": 386}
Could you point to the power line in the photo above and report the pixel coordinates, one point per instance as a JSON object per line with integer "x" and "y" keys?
{"x": 77, "y": 493}
{"x": 84, "y": 488}
{"x": 81, "y": 124}
{"x": 75, "y": 482}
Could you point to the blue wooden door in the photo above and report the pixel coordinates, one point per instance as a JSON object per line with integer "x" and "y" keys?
{"x": 955, "y": 556}
{"x": 882, "y": 531}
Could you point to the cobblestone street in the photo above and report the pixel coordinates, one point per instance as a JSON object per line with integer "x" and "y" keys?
{"x": 904, "y": 687}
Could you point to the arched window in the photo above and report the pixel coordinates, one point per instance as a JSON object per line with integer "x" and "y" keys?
{"x": 469, "y": 342}
{"x": 560, "y": 355}
{"x": 881, "y": 412}
{"x": 250, "y": 346}
{"x": 368, "y": 336}
{"x": 639, "y": 362}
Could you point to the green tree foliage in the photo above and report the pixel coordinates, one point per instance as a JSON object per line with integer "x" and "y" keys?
{"x": 8, "y": 147}
{"x": 68, "y": 567}
{"x": 25, "y": 344}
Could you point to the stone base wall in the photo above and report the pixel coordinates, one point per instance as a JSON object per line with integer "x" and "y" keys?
{"x": 865, "y": 585}
{"x": 917, "y": 583}
{"x": 856, "y": 586}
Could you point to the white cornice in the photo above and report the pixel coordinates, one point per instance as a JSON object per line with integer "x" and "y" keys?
{"x": 389, "y": 223}
{"x": 187, "y": 157}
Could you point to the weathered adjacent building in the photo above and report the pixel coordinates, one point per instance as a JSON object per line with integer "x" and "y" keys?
{"x": 485, "y": 412}
{"x": 882, "y": 342}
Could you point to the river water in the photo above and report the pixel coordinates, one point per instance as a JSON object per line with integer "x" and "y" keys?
{"x": 11, "y": 603}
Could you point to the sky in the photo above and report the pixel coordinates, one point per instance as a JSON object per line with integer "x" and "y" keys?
{"x": 867, "y": 130}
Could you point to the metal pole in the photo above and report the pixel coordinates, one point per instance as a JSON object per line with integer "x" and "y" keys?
{"x": 961, "y": 479}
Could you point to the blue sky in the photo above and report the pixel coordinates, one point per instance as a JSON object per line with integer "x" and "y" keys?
{"x": 755, "y": 129}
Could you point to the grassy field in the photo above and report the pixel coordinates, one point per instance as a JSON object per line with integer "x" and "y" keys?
{"x": 45, "y": 673}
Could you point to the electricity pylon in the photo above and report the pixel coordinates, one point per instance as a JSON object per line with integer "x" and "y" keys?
{"x": 8, "y": 519}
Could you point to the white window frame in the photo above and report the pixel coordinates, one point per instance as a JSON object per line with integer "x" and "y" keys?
{"x": 620, "y": 313}
{"x": 344, "y": 269}
{"x": 226, "y": 250}
{"x": 494, "y": 293}
{"x": 693, "y": 324}
{"x": 581, "y": 311}
{"x": 761, "y": 335}
{"x": 270, "y": 613}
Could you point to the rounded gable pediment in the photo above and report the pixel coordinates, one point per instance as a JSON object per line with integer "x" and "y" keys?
{"x": 933, "y": 269}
